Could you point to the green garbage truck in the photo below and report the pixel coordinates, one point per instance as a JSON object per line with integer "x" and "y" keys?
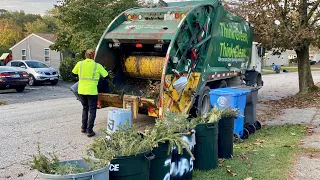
{"x": 169, "y": 56}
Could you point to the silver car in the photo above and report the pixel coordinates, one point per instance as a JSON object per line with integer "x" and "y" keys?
{"x": 37, "y": 70}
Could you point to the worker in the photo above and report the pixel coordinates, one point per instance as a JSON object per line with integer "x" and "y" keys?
{"x": 275, "y": 68}
{"x": 89, "y": 73}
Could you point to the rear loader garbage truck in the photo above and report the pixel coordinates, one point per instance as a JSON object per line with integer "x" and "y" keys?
{"x": 169, "y": 56}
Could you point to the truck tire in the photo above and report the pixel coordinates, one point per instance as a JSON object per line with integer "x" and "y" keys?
{"x": 202, "y": 102}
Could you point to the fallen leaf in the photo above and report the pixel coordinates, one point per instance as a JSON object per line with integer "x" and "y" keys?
{"x": 250, "y": 172}
{"x": 249, "y": 178}
{"x": 228, "y": 167}
{"x": 293, "y": 134}
{"x": 231, "y": 173}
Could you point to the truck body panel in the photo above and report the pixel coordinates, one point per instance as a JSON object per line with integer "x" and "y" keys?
{"x": 162, "y": 57}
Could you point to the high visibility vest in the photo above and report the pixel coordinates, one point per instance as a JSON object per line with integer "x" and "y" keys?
{"x": 93, "y": 73}
{"x": 89, "y": 73}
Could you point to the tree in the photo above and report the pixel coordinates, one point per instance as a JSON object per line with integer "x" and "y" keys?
{"x": 285, "y": 25}
{"x": 82, "y": 22}
{"x": 10, "y": 33}
{"x": 37, "y": 26}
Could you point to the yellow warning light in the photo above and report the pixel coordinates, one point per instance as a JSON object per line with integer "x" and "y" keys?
{"x": 183, "y": 15}
{"x": 129, "y": 16}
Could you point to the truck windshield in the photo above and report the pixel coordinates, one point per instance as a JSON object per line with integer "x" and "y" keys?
{"x": 35, "y": 64}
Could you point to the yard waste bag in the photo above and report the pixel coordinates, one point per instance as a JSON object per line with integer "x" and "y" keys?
{"x": 131, "y": 167}
{"x": 225, "y": 137}
{"x": 100, "y": 174}
{"x": 160, "y": 165}
{"x": 206, "y": 149}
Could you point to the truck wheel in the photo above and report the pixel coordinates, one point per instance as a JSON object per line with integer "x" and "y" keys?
{"x": 203, "y": 105}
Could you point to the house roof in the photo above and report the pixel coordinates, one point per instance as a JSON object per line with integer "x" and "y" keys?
{"x": 50, "y": 37}
{"x": 46, "y": 37}
{"x": 4, "y": 56}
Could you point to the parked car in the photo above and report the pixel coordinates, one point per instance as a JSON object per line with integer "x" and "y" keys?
{"x": 37, "y": 70}
{"x": 13, "y": 78}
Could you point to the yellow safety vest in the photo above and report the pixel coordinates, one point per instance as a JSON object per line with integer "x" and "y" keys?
{"x": 89, "y": 73}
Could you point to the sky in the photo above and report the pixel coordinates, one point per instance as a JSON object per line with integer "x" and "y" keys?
{"x": 34, "y": 6}
{"x": 28, "y": 6}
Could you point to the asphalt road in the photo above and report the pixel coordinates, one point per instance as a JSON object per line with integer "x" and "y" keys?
{"x": 37, "y": 93}
{"x": 54, "y": 121}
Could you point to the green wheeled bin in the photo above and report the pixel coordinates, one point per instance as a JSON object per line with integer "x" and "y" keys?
{"x": 206, "y": 148}
{"x": 131, "y": 167}
{"x": 160, "y": 165}
{"x": 225, "y": 137}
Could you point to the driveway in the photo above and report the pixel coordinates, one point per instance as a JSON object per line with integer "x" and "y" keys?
{"x": 37, "y": 93}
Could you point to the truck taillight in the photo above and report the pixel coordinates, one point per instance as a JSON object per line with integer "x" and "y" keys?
{"x": 176, "y": 15}
{"x": 3, "y": 75}
{"x": 134, "y": 17}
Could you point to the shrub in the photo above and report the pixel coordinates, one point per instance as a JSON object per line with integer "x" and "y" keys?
{"x": 66, "y": 67}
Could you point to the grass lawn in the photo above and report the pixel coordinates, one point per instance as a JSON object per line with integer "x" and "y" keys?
{"x": 291, "y": 68}
{"x": 266, "y": 155}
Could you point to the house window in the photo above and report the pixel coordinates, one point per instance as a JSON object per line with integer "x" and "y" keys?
{"x": 46, "y": 54}
{"x": 23, "y": 54}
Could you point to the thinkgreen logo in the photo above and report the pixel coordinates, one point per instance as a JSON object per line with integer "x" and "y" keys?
{"x": 233, "y": 34}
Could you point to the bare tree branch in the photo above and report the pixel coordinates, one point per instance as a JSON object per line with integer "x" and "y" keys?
{"x": 312, "y": 10}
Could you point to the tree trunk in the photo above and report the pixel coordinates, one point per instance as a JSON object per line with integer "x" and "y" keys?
{"x": 304, "y": 70}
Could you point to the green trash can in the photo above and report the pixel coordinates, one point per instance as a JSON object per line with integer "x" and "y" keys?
{"x": 225, "y": 137}
{"x": 160, "y": 165}
{"x": 206, "y": 148}
{"x": 182, "y": 165}
{"x": 131, "y": 167}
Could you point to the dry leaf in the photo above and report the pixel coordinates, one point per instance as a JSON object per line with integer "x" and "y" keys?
{"x": 249, "y": 178}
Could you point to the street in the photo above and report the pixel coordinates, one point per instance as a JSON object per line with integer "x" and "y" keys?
{"x": 55, "y": 123}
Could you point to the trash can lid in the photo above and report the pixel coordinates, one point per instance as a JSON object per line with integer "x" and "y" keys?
{"x": 250, "y": 88}
{"x": 228, "y": 91}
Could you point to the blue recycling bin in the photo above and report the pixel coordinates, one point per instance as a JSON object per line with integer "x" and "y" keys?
{"x": 231, "y": 98}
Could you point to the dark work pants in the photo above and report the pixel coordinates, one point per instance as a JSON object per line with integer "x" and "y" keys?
{"x": 89, "y": 103}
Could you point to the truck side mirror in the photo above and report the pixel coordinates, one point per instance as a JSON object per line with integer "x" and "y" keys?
{"x": 261, "y": 51}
